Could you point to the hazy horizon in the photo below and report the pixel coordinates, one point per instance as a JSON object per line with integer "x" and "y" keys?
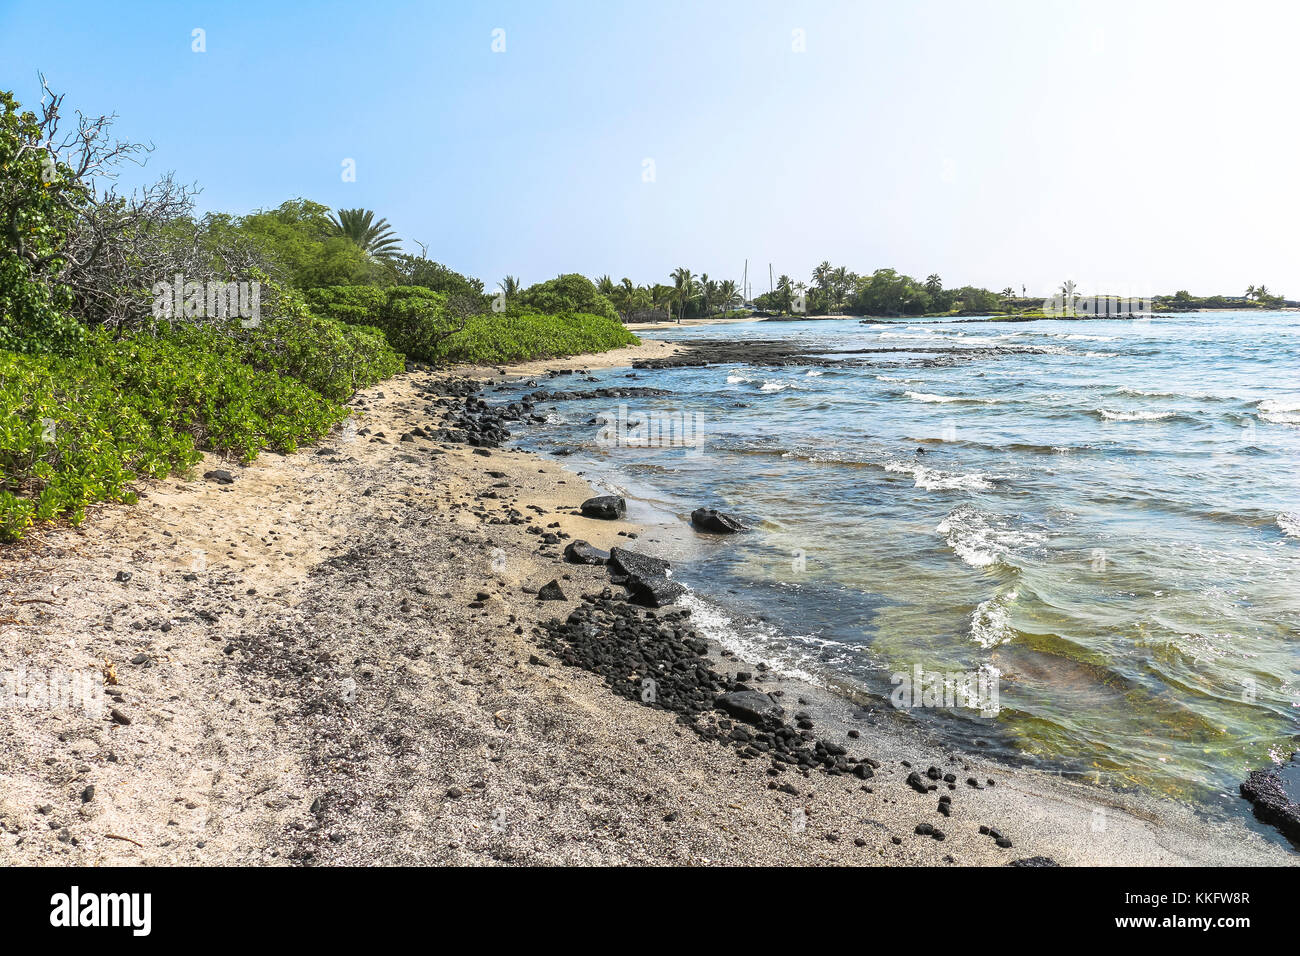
{"x": 1132, "y": 148}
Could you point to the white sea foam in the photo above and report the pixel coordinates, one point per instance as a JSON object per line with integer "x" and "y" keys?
{"x": 738, "y": 379}
{"x": 1280, "y": 411}
{"x": 980, "y": 539}
{"x": 772, "y": 385}
{"x": 814, "y": 371}
{"x": 747, "y": 643}
{"x": 1135, "y": 416}
{"x": 990, "y": 624}
{"x": 1289, "y": 522}
{"x": 933, "y": 480}
{"x": 945, "y": 399}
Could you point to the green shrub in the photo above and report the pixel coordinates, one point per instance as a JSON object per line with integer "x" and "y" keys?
{"x": 494, "y": 338}
{"x": 421, "y": 324}
{"x": 567, "y": 293}
{"x": 79, "y": 429}
{"x": 37, "y": 202}
{"x": 332, "y": 357}
{"x": 413, "y": 319}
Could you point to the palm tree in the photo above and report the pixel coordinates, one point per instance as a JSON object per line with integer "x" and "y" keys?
{"x": 661, "y": 296}
{"x": 933, "y": 284}
{"x": 784, "y": 291}
{"x": 375, "y": 238}
{"x": 1008, "y": 293}
{"x": 705, "y": 285}
{"x": 841, "y": 280}
{"x": 605, "y": 285}
{"x": 684, "y": 284}
{"x": 822, "y": 279}
{"x": 510, "y": 286}
{"x": 1250, "y": 292}
{"x": 1262, "y": 292}
{"x": 728, "y": 293}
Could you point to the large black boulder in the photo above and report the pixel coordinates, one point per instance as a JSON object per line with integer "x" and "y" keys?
{"x": 750, "y": 706}
{"x": 1275, "y": 795}
{"x": 606, "y": 507}
{"x": 709, "y": 519}
{"x": 646, "y": 578}
{"x": 580, "y": 552}
{"x": 634, "y": 563}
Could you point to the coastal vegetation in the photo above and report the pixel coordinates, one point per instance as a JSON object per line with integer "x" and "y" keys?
{"x": 836, "y": 290}
{"x": 136, "y": 333}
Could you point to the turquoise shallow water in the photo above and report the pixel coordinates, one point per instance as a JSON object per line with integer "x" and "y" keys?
{"x": 1109, "y": 524}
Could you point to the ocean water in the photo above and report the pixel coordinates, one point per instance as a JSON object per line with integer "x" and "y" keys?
{"x": 1103, "y": 516}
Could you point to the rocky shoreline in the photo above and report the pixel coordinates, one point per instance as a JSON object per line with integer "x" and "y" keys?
{"x": 412, "y": 646}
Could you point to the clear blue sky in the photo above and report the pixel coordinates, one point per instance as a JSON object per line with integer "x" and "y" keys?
{"x": 1134, "y": 145}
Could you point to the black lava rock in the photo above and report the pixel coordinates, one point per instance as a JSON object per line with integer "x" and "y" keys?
{"x": 708, "y": 519}
{"x": 605, "y": 507}
{"x": 750, "y": 706}
{"x": 1274, "y": 793}
{"x": 580, "y": 552}
{"x": 550, "y": 591}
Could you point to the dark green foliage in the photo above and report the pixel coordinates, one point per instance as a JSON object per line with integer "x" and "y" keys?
{"x": 567, "y": 293}
{"x": 434, "y": 276}
{"x": 37, "y": 201}
{"x": 491, "y": 338}
{"x": 415, "y": 320}
{"x": 75, "y": 430}
{"x": 437, "y": 328}
{"x": 302, "y": 241}
{"x": 374, "y": 238}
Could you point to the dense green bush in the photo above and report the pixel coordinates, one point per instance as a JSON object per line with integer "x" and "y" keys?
{"x": 426, "y": 327}
{"x": 414, "y": 319}
{"x": 37, "y": 201}
{"x": 493, "y": 338}
{"x": 567, "y": 293}
{"x": 332, "y": 357}
{"x": 75, "y": 430}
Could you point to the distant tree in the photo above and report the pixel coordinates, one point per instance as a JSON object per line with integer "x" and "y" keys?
{"x": 822, "y": 280}
{"x": 841, "y": 282}
{"x": 425, "y": 273}
{"x": 728, "y": 294}
{"x": 375, "y": 238}
{"x": 510, "y": 286}
{"x": 685, "y": 284}
{"x": 568, "y": 293}
{"x": 784, "y": 293}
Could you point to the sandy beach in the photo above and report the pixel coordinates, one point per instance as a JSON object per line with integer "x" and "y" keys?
{"x": 334, "y": 658}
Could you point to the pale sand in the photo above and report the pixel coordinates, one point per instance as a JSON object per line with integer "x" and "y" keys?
{"x": 359, "y": 681}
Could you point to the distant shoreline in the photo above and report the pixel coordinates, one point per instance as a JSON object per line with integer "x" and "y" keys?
{"x": 944, "y": 317}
